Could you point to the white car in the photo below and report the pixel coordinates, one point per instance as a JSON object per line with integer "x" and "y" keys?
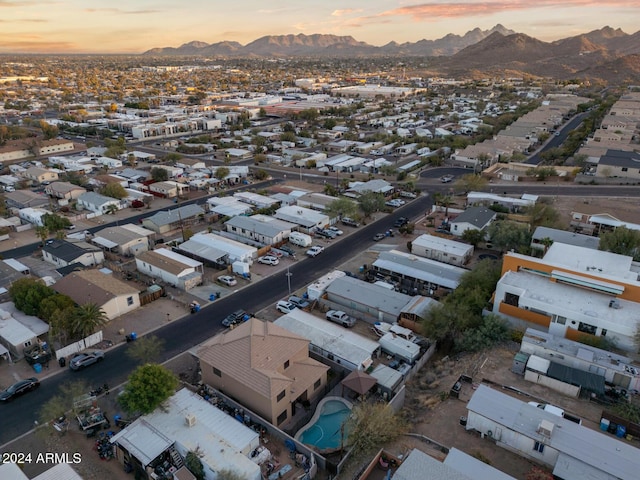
{"x": 336, "y": 230}
{"x": 315, "y": 251}
{"x": 285, "y": 307}
{"x": 269, "y": 260}
{"x": 227, "y": 280}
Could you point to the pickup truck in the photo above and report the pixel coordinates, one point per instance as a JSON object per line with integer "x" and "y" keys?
{"x": 338, "y": 316}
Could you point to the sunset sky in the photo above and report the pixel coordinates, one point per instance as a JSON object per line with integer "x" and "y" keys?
{"x": 133, "y": 26}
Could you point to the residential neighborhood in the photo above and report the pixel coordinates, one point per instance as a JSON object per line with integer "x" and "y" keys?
{"x": 351, "y": 275}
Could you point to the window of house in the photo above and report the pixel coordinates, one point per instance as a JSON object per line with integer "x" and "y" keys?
{"x": 561, "y": 320}
{"x": 625, "y": 169}
{"x": 511, "y": 299}
{"x": 286, "y": 364}
{"x": 317, "y": 384}
{"x": 586, "y": 328}
{"x": 27, "y": 343}
{"x": 538, "y": 447}
{"x": 280, "y": 395}
{"x": 604, "y": 332}
{"x": 282, "y": 417}
{"x": 217, "y": 372}
{"x": 129, "y": 301}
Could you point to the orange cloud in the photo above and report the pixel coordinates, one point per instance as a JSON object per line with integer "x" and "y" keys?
{"x": 345, "y": 11}
{"x": 471, "y": 8}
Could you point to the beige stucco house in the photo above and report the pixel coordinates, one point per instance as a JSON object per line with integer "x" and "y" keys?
{"x": 114, "y": 296}
{"x": 263, "y": 366}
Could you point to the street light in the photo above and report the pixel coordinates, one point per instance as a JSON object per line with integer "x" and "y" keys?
{"x": 289, "y": 275}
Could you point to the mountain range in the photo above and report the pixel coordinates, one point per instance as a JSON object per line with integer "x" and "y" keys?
{"x": 607, "y": 54}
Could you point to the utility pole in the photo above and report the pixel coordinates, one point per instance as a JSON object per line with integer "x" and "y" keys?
{"x": 289, "y": 275}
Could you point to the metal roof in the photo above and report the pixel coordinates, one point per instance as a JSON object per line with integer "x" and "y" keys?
{"x": 472, "y": 467}
{"x": 424, "y": 269}
{"x": 605, "y": 454}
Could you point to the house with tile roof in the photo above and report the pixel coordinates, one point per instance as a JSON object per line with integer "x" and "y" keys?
{"x": 265, "y": 367}
{"x": 113, "y": 296}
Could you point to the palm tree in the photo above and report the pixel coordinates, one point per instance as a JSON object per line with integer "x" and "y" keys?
{"x": 87, "y": 319}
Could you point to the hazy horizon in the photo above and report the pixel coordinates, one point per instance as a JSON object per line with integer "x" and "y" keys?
{"x": 133, "y": 27}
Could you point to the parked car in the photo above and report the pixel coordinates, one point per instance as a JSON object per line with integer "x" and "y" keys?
{"x": 350, "y": 222}
{"x": 408, "y": 194}
{"x": 393, "y": 203}
{"x": 83, "y": 360}
{"x": 378, "y": 236}
{"x": 285, "y": 307}
{"x": 338, "y": 316}
{"x": 236, "y": 317}
{"x": 227, "y": 280}
{"x": 269, "y": 260}
{"x": 275, "y": 253}
{"x": 19, "y": 388}
{"x": 315, "y": 251}
{"x": 446, "y": 178}
{"x": 326, "y": 233}
{"x": 336, "y": 230}
{"x": 288, "y": 250}
{"x": 400, "y": 222}
{"x": 298, "y": 302}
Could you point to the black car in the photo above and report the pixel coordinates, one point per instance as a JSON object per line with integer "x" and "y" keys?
{"x": 236, "y": 317}
{"x": 288, "y": 250}
{"x": 19, "y": 388}
{"x": 401, "y": 222}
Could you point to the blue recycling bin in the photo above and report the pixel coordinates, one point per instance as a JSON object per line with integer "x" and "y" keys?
{"x": 133, "y": 336}
{"x": 620, "y": 431}
{"x": 37, "y": 367}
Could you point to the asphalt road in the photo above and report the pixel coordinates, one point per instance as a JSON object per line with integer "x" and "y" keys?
{"x": 556, "y": 141}
{"x": 18, "y": 416}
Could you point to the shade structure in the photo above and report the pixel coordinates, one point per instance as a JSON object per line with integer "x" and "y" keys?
{"x": 359, "y": 381}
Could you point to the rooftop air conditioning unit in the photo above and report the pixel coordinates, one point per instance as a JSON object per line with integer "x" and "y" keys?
{"x": 545, "y": 428}
{"x": 190, "y": 420}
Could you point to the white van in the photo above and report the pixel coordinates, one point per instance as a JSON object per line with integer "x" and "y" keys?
{"x": 300, "y": 239}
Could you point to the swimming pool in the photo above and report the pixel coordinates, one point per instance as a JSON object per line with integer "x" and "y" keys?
{"x": 325, "y": 431}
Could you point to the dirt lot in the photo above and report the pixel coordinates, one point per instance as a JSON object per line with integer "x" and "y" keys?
{"x": 434, "y": 414}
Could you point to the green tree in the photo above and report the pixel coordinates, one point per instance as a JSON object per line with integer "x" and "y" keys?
{"x": 222, "y": 173}
{"x": 146, "y": 349}
{"x": 370, "y": 202}
{"x": 159, "y": 174}
{"x": 62, "y": 403}
{"x": 114, "y": 190}
{"x": 42, "y": 233}
{"x": 492, "y": 331}
{"x": 54, "y": 222}
{"x": 148, "y": 387}
{"x": 508, "y": 235}
{"x": 53, "y": 303}
{"x": 260, "y": 174}
{"x": 28, "y": 293}
{"x": 470, "y": 183}
{"x": 371, "y": 425}
{"x": 288, "y": 137}
{"x": 86, "y": 320}
{"x": 342, "y": 207}
{"x": 542, "y": 215}
{"x": 473, "y": 236}
{"x": 194, "y": 465}
{"x": 622, "y": 241}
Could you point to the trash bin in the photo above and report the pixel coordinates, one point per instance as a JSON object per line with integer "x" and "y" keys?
{"x": 37, "y": 367}
{"x": 62, "y": 361}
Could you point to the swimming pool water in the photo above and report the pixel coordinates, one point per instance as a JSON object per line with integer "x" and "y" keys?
{"x": 327, "y": 432}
